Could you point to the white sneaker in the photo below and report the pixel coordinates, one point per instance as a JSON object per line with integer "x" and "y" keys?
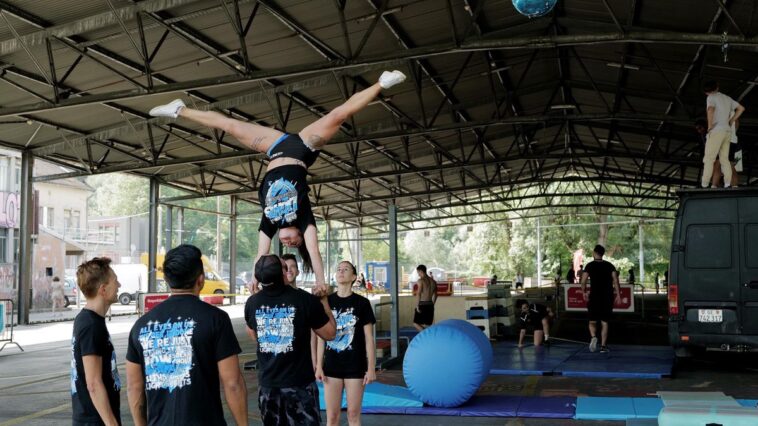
{"x": 170, "y": 109}
{"x": 391, "y": 78}
{"x": 593, "y": 344}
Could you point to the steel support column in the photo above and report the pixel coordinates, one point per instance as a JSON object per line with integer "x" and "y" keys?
{"x": 169, "y": 240}
{"x": 539, "y": 253}
{"x": 394, "y": 282}
{"x": 642, "y": 255}
{"x": 152, "y": 248}
{"x": 25, "y": 239}
{"x": 180, "y": 222}
{"x": 233, "y": 248}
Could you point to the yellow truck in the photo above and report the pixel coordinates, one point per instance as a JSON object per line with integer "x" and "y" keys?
{"x": 213, "y": 283}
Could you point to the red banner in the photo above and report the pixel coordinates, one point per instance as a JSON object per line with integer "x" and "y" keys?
{"x": 151, "y": 300}
{"x": 574, "y": 299}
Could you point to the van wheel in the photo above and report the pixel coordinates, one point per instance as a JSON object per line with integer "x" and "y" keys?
{"x": 125, "y": 299}
{"x": 67, "y": 302}
{"x": 683, "y": 352}
{"x": 219, "y": 291}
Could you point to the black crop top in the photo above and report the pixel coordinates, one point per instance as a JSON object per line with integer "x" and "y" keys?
{"x": 292, "y": 146}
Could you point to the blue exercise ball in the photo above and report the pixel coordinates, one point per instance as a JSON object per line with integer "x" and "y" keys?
{"x": 446, "y": 363}
{"x": 534, "y": 8}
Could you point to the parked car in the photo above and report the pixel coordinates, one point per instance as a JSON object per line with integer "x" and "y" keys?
{"x": 713, "y": 282}
{"x": 70, "y": 290}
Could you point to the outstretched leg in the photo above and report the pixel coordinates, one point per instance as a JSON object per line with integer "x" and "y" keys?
{"x": 253, "y": 136}
{"x": 319, "y": 132}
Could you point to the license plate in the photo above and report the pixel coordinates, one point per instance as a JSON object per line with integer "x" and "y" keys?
{"x": 710, "y": 315}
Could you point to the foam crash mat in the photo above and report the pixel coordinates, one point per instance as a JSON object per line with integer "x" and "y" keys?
{"x": 379, "y": 395}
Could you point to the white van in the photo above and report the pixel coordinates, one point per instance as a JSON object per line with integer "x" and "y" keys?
{"x": 133, "y": 279}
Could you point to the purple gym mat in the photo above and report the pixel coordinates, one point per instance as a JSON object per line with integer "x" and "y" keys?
{"x": 494, "y": 406}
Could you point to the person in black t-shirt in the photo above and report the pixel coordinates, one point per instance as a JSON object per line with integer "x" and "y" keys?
{"x": 535, "y": 317}
{"x": 95, "y": 382}
{"x": 349, "y": 361}
{"x": 604, "y": 282}
{"x": 290, "y": 278}
{"x": 182, "y": 352}
{"x": 284, "y": 191}
{"x": 279, "y": 319}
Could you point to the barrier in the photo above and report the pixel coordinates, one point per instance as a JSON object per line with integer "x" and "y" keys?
{"x": 147, "y": 301}
{"x": 574, "y": 300}
{"x": 7, "y": 312}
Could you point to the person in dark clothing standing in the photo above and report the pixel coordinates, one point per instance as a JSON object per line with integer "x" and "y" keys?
{"x": 182, "y": 351}
{"x": 95, "y": 382}
{"x": 349, "y": 361}
{"x": 280, "y": 319}
{"x": 603, "y": 281}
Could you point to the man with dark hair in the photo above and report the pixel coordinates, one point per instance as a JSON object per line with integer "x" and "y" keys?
{"x": 95, "y": 382}
{"x": 604, "y": 279}
{"x": 535, "y": 317}
{"x": 723, "y": 114}
{"x": 182, "y": 351}
{"x": 426, "y": 297}
{"x": 279, "y": 318}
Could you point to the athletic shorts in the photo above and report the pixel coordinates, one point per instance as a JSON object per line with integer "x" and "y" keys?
{"x": 600, "y": 309}
{"x": 293, "y": 406}
{"x": 292, "y": 146}
{"x": 519, "y": 285}
{"x": 426, "y": 316}
{"x": 345, "y": 374}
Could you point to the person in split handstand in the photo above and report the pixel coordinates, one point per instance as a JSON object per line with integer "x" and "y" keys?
{"x": 284, "y": 192}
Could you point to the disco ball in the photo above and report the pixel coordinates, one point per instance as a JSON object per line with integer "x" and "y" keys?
{"x": 534, "y": 8}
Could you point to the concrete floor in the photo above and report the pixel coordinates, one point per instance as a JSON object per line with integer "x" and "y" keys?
{"x": 34, "y": 385}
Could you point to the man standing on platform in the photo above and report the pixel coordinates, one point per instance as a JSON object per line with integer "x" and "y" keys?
{"x": 604, "y": 280}
{"x": 426, "y": 297}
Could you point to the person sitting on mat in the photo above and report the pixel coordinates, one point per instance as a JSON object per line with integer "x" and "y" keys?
{"x": 426, "y": 297}
{"x": 284, "y": 192}
{"x": 349, "y": 361}
{"x": 534, "y": 316}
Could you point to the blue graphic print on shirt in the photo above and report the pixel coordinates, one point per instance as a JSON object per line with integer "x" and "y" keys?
{"x": 74, "y": 374}
{"x": 275, "y": 328}
{"x": 281, "y": 202}
{"x": 346, "y": 321}
{"x": 114, "y": 369}
{"x": 167, "y": 348}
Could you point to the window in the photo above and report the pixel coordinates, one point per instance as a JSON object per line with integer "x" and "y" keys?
{"x": 117, "y": 233}
{"x": 16, "y": 246}
{"x": 49, "y": 218}
{"x": 76, "y": 219}
{"x": 3, "y": 245}
{"x": 4, "y": 174}
{"x": 17, "y": 174}
{"x": 751, "y": 245}
{"x": 708, "y": 246}
{"x": 67, "y": 219}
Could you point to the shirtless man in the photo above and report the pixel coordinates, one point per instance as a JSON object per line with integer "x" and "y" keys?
{"x": 426, "y": 297}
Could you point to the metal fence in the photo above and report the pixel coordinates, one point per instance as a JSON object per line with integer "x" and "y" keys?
{"x": 7, "y": 314}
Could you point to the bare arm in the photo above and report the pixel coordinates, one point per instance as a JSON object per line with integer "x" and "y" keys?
{"x": 135, "y": 388}
{"x": 235, "y": 390}
{"x": 329, "y": 330}
{"x": 521, "y": 335}
{"x": 418, "y": 294}
{"x": 314, "y": 350}
{"x": 434, "y": 291}
{"x": 93, "y": 372}
{"x": 616, "y": 283}
{"x": 311, "y": 243}
{"x": 737, "y": 113}
{"x": 320, "y": 348}
{"x": 368, "y": 332}
{"x": 251, "y": 333}
{"x": 264, "y": 246}
{"x": 583, "y": 282}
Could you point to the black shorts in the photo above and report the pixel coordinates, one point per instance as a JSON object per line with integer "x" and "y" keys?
{"x": 289, "y": 406}
{"x": 426, "y": 316}
{"x": 292, "y": 146}
{"x": 518, "y": 284}
{"x": 345, "y": 375}
{"x": 600, "y": 309}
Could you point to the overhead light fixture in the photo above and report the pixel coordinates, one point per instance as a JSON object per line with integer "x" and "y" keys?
{"x": 563, "y": 106}
{"x": 625, "y": 66}
{"x": 609, "y": 141}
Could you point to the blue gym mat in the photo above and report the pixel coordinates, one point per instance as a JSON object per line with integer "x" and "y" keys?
{"x": 493, "y": 406}
{"x": 575, "y": 360}
{"x": 617, "y": 408}
{"x": 378, "y": 395}
{"x": 531, "y": 360}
